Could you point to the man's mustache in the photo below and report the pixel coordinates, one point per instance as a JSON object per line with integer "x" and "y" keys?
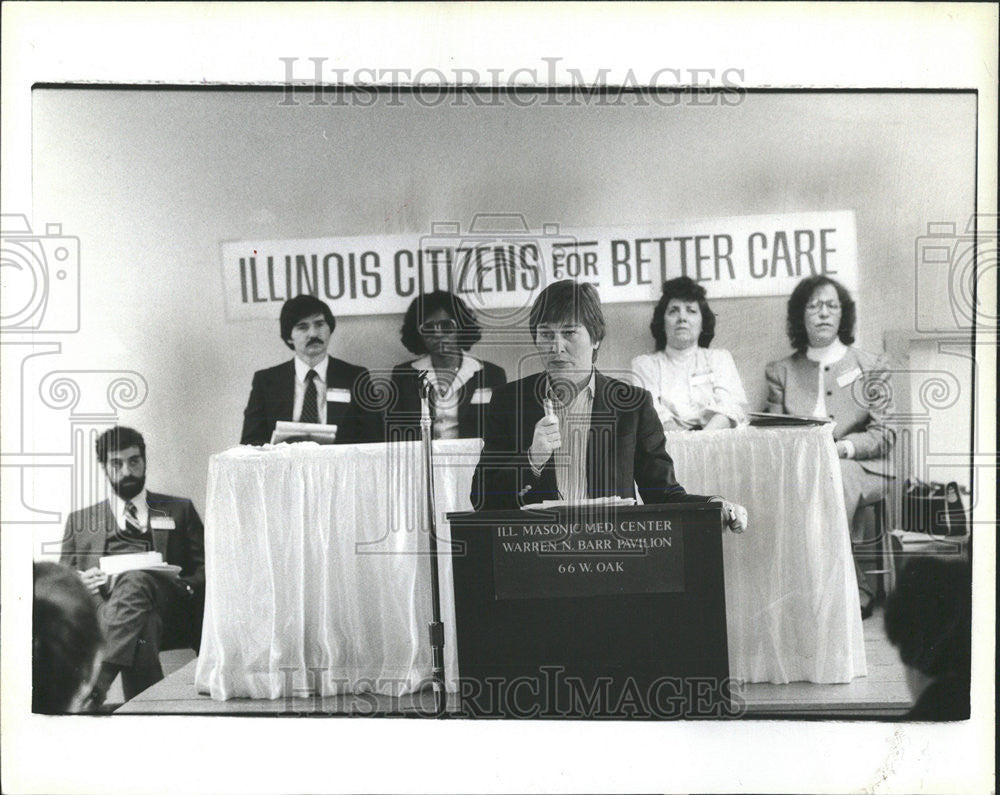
{"x": 311, "y": 340}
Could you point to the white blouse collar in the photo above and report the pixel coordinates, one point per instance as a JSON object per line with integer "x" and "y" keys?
{"x": 680, "y": 357}
{"x": 469, "y": 367}
{"x": 832, "y": 353}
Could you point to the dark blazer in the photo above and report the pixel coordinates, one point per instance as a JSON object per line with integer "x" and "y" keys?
{"x": 272, "y": 398}
{"x": 87, "y": 533}
{"x": 403, "y": 415}
{"x": 625, "y": 448}
{"x": 183, "y": 545}
{"x": 858, "y": 399}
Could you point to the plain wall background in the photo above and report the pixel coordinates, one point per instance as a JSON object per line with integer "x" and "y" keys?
{"x": 152, "y": 181}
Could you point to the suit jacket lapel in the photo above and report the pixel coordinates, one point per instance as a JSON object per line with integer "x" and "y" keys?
{"x": 154, "y": 503}
{"x": 337, "y": 378}
{"x": 534, "y": 410}
{"x": 600, "y": 444}
{"x": 105, "y": 525}
{"x": 285, "y": 393}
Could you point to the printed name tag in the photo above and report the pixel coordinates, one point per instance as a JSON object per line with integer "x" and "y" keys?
{"x": 481, "y": 396}
{"x": 701, "y": 378}
{"x": 338, "y": 396}
{"x": 162, "y": 522}
{"x": 849, "y": 377}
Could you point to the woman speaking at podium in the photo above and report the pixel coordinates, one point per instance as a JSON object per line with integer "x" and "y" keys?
{"x": 572, "y": 433}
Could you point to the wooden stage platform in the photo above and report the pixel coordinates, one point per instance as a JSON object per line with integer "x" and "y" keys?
{"x": 880, "y": 695}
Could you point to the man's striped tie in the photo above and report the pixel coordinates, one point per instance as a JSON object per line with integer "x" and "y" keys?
{"x": 132, "y": 519}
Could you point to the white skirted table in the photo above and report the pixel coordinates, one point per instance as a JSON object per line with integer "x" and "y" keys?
{"x": 318, "y": 577}
{"x": 792, "y": 605}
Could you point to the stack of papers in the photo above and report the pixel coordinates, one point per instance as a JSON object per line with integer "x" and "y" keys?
{"x": 621, "y": 501}
{"x": 763, "y": 419}
{"x": 286, "y": 431}
{"x": 138, "y": 561}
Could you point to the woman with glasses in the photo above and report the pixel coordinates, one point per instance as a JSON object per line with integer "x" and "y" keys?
{"x": 693, "y": 387}
{"x": 439, "y": 328}
{"x": 828, "y": 377}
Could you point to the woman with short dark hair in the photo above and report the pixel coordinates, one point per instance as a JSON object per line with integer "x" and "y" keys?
{"x": 828, "y": 377}
{"x": 440, "y": 329}
{"x": 572, "y": 433}
{"x": 693, "y": 386}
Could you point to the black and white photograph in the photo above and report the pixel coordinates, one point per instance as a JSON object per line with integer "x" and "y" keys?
{"x": 424, "y": 397}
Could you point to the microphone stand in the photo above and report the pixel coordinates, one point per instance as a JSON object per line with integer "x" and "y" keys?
{"x": 436, "y": 627}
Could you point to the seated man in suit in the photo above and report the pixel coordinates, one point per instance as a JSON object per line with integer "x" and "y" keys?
{"x": 571, "y": 432}
{"x": 139, "y": 611}
{"x": 312, "y": 387}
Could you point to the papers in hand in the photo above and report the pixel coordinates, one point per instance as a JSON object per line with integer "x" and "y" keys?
{"x": 286, "y": 431}
{"x": 620, "y": 501}
{"x": 763, "y": 419}
{"x": 138, "y": 561}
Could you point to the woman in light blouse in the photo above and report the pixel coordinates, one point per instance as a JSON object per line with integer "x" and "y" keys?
{"x": 440, "y": 329}
{"x": 828, "y": 377}
{"x": 693, "y": 387}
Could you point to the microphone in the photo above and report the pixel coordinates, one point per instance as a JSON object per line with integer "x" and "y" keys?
{"x": 549, "y": 403}
{"x": 425, "y": 397}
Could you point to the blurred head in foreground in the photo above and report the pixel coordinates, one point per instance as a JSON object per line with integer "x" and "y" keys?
{"x": 66, "y": 641}
{"x": 929, "y": 619}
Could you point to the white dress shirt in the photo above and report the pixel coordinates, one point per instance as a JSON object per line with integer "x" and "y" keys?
{"x": 301, "y": 370}
{"x": 141, "y": 509}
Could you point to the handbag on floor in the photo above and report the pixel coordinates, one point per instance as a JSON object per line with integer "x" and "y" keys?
{"x": 934, "y": 508}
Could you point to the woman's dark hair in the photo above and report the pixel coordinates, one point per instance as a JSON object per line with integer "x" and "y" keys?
{"x": 797, "y": 311}
{"x": 929, "y": 616}
{"x": 299, "y": 307}
{"x": 568, "y": 301}
{"x": 65, "y": 638}
{"x": 425, "y": 305}
{"x": 682, "y": 288}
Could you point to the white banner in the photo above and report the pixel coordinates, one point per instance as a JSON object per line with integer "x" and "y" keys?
{"x": 500, "y": 263}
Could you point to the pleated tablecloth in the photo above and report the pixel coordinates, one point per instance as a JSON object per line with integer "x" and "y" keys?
{"x": 318, "y": 576}
{"x": 792, "y": 605}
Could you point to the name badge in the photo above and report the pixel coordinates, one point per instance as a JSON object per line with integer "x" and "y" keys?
{"x": 849, "y": 377}
{"x": 701, "y": 378}
{"x": 162, "y": 522}
{"x": 481, "y": 396}
{"x": 338, "y": 396}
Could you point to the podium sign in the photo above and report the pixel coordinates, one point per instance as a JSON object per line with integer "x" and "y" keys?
{"x": 611, "y": 612}
{"x": 610, "y": 553}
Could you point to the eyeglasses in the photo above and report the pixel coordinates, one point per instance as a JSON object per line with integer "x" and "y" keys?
{"x": 438, "y": 326}
{"x": 815, "y": 306}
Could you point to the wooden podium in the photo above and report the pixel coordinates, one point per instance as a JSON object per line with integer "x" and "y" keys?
{"x": 592, "y": 612}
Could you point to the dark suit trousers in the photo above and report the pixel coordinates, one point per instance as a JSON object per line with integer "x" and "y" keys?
{"x": 142, "y": 611}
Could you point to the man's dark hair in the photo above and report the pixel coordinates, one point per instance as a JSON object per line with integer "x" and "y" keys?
{"x": 797, "y": 311}
{"x": 119, "y": 438}
{"x": 568, "y": 302}
{"x": 302, "y": 306}
{"x": 929, "y": 616}
{"x": 65, "y": 638}
{"x": 683, "y": 288}
{"x": 424, "y": 305}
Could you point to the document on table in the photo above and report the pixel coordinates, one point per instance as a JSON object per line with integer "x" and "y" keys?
{"x": 286, "y": 431}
